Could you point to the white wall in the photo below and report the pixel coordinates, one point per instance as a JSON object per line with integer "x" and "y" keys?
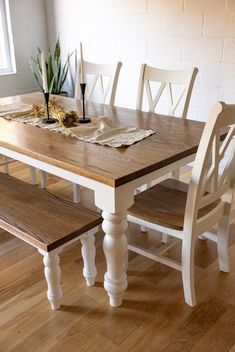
{"x": 29, "y": 29}
{"x": 163, "y": 33}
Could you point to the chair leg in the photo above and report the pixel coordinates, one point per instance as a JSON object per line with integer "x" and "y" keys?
{"x": 43, "y": 179}
{"x": 33, "y": 175}
{"x": 139, "y": 190}
{"x": 222, "y": 243}
{"x": 5, "y": 166}
{"x": 52, "y": 274}
{"x": 176, "y": 174}
{"x": 88, "y": 254}
{"x": 188, "y": 271}
{"x": 164, "y": 238}
{"x": 76, "y": 193}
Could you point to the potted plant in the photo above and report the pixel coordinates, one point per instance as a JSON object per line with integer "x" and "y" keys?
{"x": 56, "y": 72}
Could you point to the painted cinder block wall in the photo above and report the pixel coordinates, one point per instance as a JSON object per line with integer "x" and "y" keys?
{"x": 162, "y": 33}
{"x": 29, "y": 29}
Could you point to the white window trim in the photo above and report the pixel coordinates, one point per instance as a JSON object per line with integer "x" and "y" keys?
{"x": 10, "y": 54}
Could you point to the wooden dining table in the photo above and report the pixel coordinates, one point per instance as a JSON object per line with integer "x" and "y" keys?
{"x": 112, "y": 173}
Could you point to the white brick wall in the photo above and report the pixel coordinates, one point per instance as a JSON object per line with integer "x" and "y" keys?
{"x": 162, "y": 33}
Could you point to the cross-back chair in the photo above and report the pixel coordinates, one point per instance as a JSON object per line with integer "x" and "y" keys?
{"x": 187, "y": 211}
{"x": 183, "y": 79}
{"x": 167, "y": 78}
{"x": 104, "y": 77}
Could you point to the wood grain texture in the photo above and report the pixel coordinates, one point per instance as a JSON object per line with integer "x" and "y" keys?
{"x": 164, "y": 204}
{"x": 174, "y": 139}
{"x": 40, "y": 218}
{"x": 152, "y": 318}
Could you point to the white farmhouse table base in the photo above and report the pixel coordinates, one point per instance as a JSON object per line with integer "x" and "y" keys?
{"x": 115, "y": 249}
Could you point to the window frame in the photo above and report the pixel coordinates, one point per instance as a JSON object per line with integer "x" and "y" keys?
{"x": 8, "y": 38}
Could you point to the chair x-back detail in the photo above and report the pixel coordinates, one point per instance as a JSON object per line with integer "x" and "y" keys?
{"x": 104, "y": 77}
{"x": 187, "y": 211}
{"x": 167, "y": 78}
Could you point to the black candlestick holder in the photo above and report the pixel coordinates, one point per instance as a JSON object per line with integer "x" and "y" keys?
{"x": 48, "y": 119}
{"x": 83, "y": 119}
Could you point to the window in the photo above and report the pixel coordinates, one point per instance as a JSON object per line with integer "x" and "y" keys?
{"x": 7, "y": 61}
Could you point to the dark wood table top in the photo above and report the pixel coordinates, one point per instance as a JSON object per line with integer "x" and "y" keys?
{"x": 174, "y": 139}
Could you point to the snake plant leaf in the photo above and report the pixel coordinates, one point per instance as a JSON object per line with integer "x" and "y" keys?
{"x": 50, "y": 88}
{"x": 57, "y": 52}
{"x": 65, "y": 71}
{"x": 56, "y": 72}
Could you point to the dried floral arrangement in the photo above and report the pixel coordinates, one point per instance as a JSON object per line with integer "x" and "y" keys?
{"x": 65, "y": 118}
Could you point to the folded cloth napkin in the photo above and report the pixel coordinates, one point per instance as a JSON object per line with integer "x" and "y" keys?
{"x": 104, "y": 132}
{"x": 15, "y": 110}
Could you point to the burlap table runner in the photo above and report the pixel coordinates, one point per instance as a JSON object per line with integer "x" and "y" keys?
{"x": 101, "y": 130}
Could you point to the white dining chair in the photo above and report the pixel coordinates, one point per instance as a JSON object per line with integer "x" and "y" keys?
{"x": 168, "y": 80}
{"x": 101, "y": 87}
{"x": 169, "y": 90}
{"x": 185, "y": 211}
{"x": 101, "y": 82}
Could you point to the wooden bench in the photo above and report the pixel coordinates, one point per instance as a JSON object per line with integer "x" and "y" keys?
{"x": 49, "y": 224}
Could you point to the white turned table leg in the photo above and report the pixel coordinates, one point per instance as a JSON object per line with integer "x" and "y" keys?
{"x": 88, "y": 254}
{"x": 115, "y": 249}
{"x": 43, "y": 179}
{"x": 33, "y": 175}
{"x": 52, "y": 274}
{"x": 76, "y": 193}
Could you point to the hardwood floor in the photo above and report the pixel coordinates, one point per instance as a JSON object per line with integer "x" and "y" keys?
{"x": 153, "y": 316}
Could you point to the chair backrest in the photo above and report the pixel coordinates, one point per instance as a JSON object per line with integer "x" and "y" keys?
{"x": 167, "y": 78}
{"x": 104, "y": 78}
{"x": 211, "y": 185}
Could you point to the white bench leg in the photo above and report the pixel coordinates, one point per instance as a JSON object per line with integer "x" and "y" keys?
{"x": 88, "y": 255}
{"x": 76, "y": 193}
{"x": 32, "y": 171}
{"x": 43, "y": 179}
{"x": 52, "y": 272}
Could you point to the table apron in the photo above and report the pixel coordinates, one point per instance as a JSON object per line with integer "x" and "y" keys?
{"x": 112, "y": 199}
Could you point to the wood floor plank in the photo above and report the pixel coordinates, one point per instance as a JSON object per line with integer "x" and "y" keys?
{"x": 152, "y": 318}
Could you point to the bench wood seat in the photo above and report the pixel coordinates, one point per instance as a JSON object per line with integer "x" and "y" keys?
{"x": 40, "y": 218}
{"x": 48, "y": 223}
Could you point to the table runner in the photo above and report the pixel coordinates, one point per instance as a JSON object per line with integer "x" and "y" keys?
{"x": 101, "y": 130}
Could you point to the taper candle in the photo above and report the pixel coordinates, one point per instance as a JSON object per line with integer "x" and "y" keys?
{"x": 82, "y": 79}
{"x": 44, "y": 73}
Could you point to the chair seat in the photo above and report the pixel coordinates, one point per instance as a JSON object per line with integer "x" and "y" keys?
{"x": 164, "y": 204}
